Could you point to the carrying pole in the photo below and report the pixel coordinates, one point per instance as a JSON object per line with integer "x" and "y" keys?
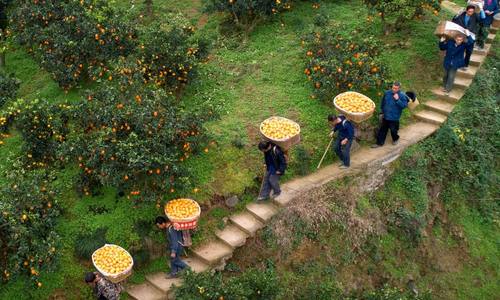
{"x": 324, "y": 154}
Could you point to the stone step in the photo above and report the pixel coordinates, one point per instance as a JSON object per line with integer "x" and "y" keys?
{"x": 461, "y": 82}
{"x": 477, "y": 59}
{"x": 491, "y": 38}
{"x": 483, "y": 51}
{"x": 442, "y": 107}
{"x": 493, "y": 29}
{"x": 159, "y": 281}
{"x": 232, "y": 236}
{"x": 196, "y": 264}
{"x": 430, "y": 117}
{"x": 287, "y": 195}
{"x": 470, "y": 73}
{"x": 246, "y": 222}
{"x": 145, "y": 291}
{"x": 213, "y": 253}
{"x": 454, "y": 96}
{"x": 262, "y": 211}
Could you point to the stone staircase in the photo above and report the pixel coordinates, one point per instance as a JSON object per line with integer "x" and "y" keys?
{"x": 214, "y": 254}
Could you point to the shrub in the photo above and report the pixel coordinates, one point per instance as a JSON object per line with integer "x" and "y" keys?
{"x": 134, "y": 139}
{"x": 339, "y": 61}
{"x": 29, "y": 211}
{"x": 246, "y": 14}
{"x": 407, "y": 224}
{"x": 9, "y": 85}
{"x": 71, "y": 39}
{"x": 251, "y": 284}
{"x": 396, "y": 13}
{"x": 87, "y": 243}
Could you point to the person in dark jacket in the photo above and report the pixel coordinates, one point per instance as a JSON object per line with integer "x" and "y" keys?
{"x": 345, "y": 137}
{"x": 275, "y": 168}
{"x": 490, "y": 8}
{"x": 470, "y": 21}
{"x": 393, "y": 103}
{"x": 102, "y": 288}
{"x": 175, "y": 247}
{"x": 453, "y": 60}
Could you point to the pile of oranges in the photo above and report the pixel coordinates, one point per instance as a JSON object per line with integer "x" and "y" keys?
{"x": 278, "y": 128}
{"x": 354, "y": 102}
{"x": 112, "y": 259}
{"x": 182, "y": 209}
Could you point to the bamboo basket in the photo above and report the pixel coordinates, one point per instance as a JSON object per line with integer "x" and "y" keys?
{"x": 185, "y": 223}
{"x": 354, "y": 116}
{"x": 450, "y": 30}
{"x": 284, "y": 144}
{"x": 114, "y": 278}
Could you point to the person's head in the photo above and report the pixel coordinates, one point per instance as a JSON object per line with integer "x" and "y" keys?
{"x": 396, "y": 86}
{"x": 459, "y": 39}
{"x": 333, "y": 120}
{"x": 470, "y": 10}
{"x": 264, "y": 146}
{"x": 162, "y": 222}
{"x": 90, "y": 278}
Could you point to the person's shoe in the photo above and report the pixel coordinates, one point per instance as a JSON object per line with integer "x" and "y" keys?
{"x": 464, "y": 69}
{"x": 341, "y": 164}
{"x": 395, "y": 142}
{"x": 344, "y": 167}
{"x": 274, "y": 196}
{"x": 171, "y": 275}
{"x": 262, "y": 198}
{"x": 376, "y": 146}
{"x": 446, "y": 92}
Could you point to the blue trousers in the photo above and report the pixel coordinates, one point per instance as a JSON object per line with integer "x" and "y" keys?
{"x": 271, "y": 182}
{"x": 177, "y": 264}
{"x": 343, "y": 151}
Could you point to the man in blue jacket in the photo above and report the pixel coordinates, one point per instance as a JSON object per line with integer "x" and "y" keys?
{"x": 344, "y": 139}
{"x": 174, "y": 238}
{"x": 275, "y": 168}
{"x": 470, "y": 21}
{"x": 490, "y": 8}
{"x": 393, "y": 103}
{"x": 453, "y": 60}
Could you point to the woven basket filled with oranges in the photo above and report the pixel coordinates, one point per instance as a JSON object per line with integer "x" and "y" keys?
{"x": 281, "y": 131}
{"x": 355, "y": 106}
{"x": 184, "y": 213}
{"x": 113, "y": 262}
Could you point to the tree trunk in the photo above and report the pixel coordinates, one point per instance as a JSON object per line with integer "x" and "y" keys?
{"x": 2, "y": 60}
{"x": 149, "y": 7}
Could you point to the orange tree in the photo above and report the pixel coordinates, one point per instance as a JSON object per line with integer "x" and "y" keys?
{"x": 9, "y": 85}
{"x": 43, "y": 126}
{"x": 72, "y": 39}
{"x": 396, "y": 13}
{"x": 167, "y": 57}
{"x": 340, "y": 60}
{"x": 134, "y": 138}
{"x": 246, "y": 14}
{"x": 27, "y": 221}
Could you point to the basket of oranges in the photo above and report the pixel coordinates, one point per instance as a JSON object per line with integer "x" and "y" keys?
{"x": 355, "y": 106}
{"x": 113, "y": 262}
{"x": 281, "y": 131}
{"x": 184, "y": 213}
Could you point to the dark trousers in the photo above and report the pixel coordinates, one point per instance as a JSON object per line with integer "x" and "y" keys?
{"x": 468, "y": 53}
{"x": 177, "y": 264}
{"x": 382, "y": 132}
{"x": 484, "y": 30}
{"x": 343, "y": 151}
{"x": 271, "y": 182}
{"x": 449, "y": 78}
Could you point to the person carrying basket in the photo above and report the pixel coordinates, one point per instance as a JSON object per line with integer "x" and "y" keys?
{"x": 175, "y": 246}
{"x": 275, "y": 168}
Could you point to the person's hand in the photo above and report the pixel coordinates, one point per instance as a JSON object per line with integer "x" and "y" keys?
{"x": 443, "y": 38}
{"x": 344, "y": 142}
{"x": 396, "y": 96}
{"x": 467, "y": 32}
{"x": 172, "y": 254}
{"x": 331, "y": 134}
{"x": 278, "y": 173}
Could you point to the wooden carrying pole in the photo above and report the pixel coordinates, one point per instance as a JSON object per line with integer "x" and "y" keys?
{"x": 324, "y": 154}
